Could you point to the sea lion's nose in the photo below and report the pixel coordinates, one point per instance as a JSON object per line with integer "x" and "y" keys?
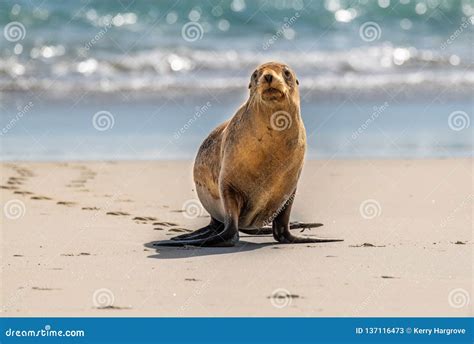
{"x": 268, "y": 78}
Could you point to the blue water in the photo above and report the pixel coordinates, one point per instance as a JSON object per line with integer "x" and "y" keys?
{"x": 133, "y": 60}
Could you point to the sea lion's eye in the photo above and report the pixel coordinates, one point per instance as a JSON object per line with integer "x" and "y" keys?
{"x": 253, "y": 77}
{"x": 287, "y": 74}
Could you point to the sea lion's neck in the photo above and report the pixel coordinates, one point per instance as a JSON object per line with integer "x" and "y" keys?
{"x": 263, "y": 114}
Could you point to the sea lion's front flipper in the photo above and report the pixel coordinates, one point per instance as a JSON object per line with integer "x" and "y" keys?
{"x": 216, "y": 234}
{"x": 210, "y": 229}
{"x": 207, "y": 238}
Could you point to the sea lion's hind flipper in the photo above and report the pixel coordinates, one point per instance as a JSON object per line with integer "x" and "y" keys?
{"x": 281, "y": 229}
{"x": 292, "y": 239}
{"x": 283, "y": 235}
{"x": 304, "y": 225}
{"x": 293, "y": 225}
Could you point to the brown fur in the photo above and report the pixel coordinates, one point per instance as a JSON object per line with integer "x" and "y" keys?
{"x": 248, "y": 158}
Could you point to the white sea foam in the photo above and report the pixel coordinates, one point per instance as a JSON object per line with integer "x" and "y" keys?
{"x": 186, "y": 70}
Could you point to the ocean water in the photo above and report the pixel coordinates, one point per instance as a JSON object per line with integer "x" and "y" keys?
{"x": 148, "y": 80}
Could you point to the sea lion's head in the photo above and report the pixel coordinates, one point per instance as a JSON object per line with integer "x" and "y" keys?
{"x": 274, "y": 83}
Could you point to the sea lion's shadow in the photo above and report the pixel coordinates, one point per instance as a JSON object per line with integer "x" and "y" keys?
{"x": 164, "y": 252}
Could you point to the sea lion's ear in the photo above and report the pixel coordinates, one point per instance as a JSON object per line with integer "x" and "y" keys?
{"x": 250, "y": 85}
{"x": 297, "y": 82}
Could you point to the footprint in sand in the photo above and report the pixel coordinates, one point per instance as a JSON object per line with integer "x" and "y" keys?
{"x": 68, "y": 204}
{"x": 15, "y": 180}
{"x": 166, "y": 224}
{"x": 90, "y": 175}
{"x": 90, "y": 208}
{"x": 366, "y": 244}
{"x": 117, "y": 213}
{"x": 23, "y": 171}
{"x": 9, "y": 187}
{"x": 75, "y": 185}
{"x": 284, "y": 296}
{"x": 44, "y": 289}
{"x": 23, "y": 193}
{"x": 86, "y": 174}
{"x": 72, "y": 254}
{"x": 180, "y": 230}
{"x": 113, "y": 307}
{"x": 144, "y": 218}
{"x": 41, "y": 198}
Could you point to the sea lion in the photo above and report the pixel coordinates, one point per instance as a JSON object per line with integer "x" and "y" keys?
{"x": 247, "y": 169}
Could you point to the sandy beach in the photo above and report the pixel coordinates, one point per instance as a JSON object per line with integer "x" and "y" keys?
{"x": 77, "y": 240}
